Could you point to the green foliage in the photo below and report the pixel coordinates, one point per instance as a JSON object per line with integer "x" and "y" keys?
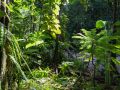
{"x": 2, "y": 14}
{"x": 65, "y": 66}
{"x": 98, "y": 45}
{"x": 86, "y": 39}
{"x": 15, "y": 54}
{"x": 50, "y": 20}
{"x": 45, "y": 81}
{"x": 18, "y": 67}
{"x": 39, "y": 48}
{"x": 33, "y": 44}
{"x": 100, "y": 40}
{"x": 100, "y": 24}
{"x": 41, "y": 73}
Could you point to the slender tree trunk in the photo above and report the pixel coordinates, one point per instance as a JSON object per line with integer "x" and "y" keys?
{"x": 4, "y": 83}
{"x": 55, "y": 56}
{"x": 93, "y": 62}
{"x": 3, "y": 65}
{"x": 33, "y": 25}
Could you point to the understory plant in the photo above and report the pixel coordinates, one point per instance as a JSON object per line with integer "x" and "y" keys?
{"x": 45, "y": 79}
{"x": 97, "y": 42}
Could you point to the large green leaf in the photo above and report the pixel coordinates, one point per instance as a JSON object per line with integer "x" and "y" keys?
{"x": 58, "y": 31}
{"x": 100, "y": 24}
{"x": 77, "y": 37}
{"x": 117, "y": 23}
{"x": 116, "y": 61}
{"x": 53, "y": 35}
{"x": 34, "y": 44}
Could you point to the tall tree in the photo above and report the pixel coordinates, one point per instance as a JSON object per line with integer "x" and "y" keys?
{"x": 4, "y": 60}
{"x": 3, "y": 51}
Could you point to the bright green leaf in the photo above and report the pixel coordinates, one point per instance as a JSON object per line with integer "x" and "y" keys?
{"x": 57, "y": 31}
{"x": 34, "y": 44}
{"x": 53, "y": 35}
{"x": 100, "y": 24}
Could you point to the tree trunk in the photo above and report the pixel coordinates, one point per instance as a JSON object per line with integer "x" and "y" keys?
{"x": 55, "y": 56}
{"x": 4, "y": 60}
{"x": 3, "y": 68}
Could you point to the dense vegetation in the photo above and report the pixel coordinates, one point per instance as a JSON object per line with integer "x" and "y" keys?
{"x": 59, "y": 45}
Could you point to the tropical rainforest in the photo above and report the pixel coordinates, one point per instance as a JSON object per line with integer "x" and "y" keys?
{"x": 59, "y": 44}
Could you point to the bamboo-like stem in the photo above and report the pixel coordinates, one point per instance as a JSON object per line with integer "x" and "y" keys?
{"x": 107, "y": 62}
{"x": 92, "y": 56}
